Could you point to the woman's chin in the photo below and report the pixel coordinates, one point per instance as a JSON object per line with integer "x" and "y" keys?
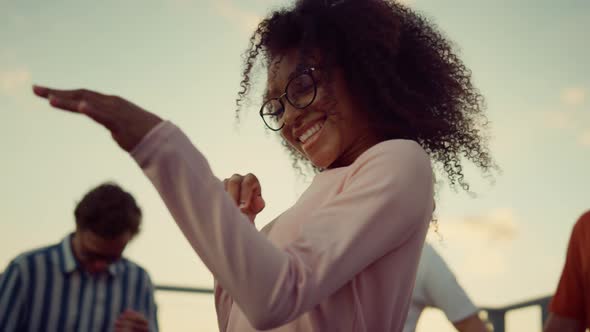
{"x": 321, "y": 161}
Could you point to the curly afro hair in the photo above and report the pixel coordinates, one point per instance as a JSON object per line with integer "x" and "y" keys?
{"x": 398, "y": 65}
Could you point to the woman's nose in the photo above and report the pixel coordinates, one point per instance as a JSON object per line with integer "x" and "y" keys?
{"x": 292, "y": 116}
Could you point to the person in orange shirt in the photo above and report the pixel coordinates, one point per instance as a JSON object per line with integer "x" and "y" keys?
{"x": 570, "y": 306}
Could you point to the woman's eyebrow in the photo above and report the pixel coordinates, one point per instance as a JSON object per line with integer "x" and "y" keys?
{"x": 266, "y": 95}
{"x": 271, "y": 91}
{"x": 294, "y": 73}
{"x": 275, "y": 92}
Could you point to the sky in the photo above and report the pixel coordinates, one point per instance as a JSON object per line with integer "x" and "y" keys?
{"x": 182, "y": 58}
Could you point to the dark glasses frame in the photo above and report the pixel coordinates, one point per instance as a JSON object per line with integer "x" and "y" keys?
{"x": 306, "y": 72}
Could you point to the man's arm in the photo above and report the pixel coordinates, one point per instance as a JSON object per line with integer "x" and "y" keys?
{"x": 556, "y": 323}
{"x": 567, "y": 305}
{"x": 471, "y": 324}
{"x": 444, "y": 292}
{"x": 11, "y": 298}
{"x": 152, "y": 308}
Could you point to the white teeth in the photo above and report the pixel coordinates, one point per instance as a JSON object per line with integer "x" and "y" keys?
{"x": 310, "y": 132}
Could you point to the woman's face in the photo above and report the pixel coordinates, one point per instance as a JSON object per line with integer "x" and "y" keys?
{"x": 330, "y": 132}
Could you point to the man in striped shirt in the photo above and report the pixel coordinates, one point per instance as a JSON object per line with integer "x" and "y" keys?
{"x": 83, "y": 283}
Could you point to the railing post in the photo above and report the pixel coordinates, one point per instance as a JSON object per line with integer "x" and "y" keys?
{"x": 497, "y": 318}
{"x": 545, "y": 310}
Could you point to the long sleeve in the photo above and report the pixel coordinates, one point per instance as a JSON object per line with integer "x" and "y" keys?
{"x": 11, "y": 298}
{"x": 150, "y": 305}
{"x": 223, "y": 300}
{"x": 382, "y": 205}
{"x": 569, "y": 300}
{"x": 223, "y": 303}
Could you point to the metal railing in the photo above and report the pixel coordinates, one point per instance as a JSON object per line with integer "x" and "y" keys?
{"x": 168, "y": 288}
{"x": 495, "y": 316}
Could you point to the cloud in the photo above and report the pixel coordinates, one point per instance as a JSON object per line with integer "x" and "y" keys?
{"x": 245, "y": 20}
{"x": 14, "y": 80}
{"x": 572, "y": 117}
{"x": 558, "y": 119}
{"x": 499, "y": 225}
{"x": 481, "y": 243}
{"x": 573, "y": 96}
{"x": 485, "y": 263}
{"x": 584, "y": 138}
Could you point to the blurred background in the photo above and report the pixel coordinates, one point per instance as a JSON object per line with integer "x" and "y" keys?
{"x": 182, "y": 60}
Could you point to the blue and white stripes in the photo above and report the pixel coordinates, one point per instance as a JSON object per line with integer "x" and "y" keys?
{"x": 44, "y": 290}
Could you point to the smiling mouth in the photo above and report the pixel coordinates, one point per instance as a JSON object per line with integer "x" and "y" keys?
{"x": 311, "y": 135}
{"x": 311, "y": 132}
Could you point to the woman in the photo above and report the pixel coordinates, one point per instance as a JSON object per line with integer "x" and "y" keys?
{"x": 368, "y": 93}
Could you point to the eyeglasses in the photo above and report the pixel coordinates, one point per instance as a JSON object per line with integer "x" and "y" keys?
{"x": 300, "y": 92}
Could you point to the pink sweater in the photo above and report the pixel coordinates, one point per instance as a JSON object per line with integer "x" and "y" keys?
{"x": 343, "y": 258}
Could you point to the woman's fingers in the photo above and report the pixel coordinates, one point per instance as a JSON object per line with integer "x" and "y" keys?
{"x": 96, "y": 106}
{"x": 65, "y": 104}
{"x": 233, "y": 187}
{"x": 71, "y": 100}
{"x": 127, "y": 122}
{"x": 75, "y": 94}
{"x": 40, "y": 91}
{"x": 249, "y": 189}
{"x": 258, "y": 204}
{"x": 246, "y": 192}
{"x": 102, "y": 116}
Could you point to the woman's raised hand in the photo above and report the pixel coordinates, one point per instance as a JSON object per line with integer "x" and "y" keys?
{"x": 128, "y": 123}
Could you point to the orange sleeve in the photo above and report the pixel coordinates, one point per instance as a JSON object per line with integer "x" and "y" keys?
{"x": 569, "y": 300}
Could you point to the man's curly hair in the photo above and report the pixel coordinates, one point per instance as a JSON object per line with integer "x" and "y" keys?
{"x": 108, "y": 211}
{"x": 405, "y": 72}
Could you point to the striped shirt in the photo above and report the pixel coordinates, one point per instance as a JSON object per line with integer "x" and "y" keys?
{"x": 46, "y": 290}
